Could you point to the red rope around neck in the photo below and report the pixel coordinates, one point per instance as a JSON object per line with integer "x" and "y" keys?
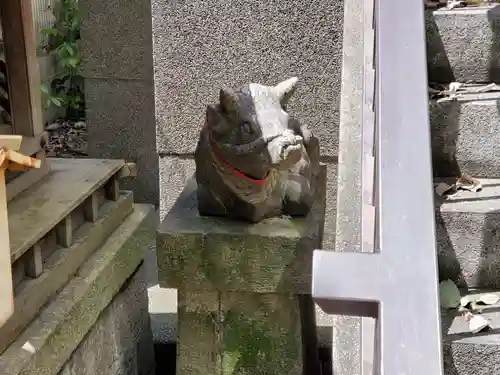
{"x": 233, "y": 169}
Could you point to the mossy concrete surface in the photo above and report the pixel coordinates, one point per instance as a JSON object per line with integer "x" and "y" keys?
{"x": 217, "y": 254}
{"x": 239, "y": 287}
{"x": 238, "y": 333}
{"x": 48, "y": 342}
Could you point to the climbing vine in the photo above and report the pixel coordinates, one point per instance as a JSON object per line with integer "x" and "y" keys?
{"x": 65, "y": 88}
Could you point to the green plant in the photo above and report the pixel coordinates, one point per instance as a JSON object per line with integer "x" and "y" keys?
{"x": 63, "y": 46}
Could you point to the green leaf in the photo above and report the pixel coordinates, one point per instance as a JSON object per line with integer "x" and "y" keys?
{"x": 73, "y": 61}
{"x": 50, "y": 32}
{"x": 57, "y": 101}
{"x": 69, "y": 49}
{"x": 45, "y": 89}
{"x": 449, "y": 294}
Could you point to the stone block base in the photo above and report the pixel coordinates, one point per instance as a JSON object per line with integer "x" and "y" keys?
{"x": 244, "y": 303}
{"x": 98, "y": 324}
{"x": 239, "y": 333}
{"x": 120, "y": 342}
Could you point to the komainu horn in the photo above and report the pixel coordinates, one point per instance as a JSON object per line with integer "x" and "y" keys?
{"x": 253, "y": 160}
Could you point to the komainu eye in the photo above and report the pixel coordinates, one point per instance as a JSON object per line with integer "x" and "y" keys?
{"x": 246, "y": 127}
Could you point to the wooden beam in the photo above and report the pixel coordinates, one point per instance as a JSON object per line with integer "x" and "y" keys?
{"x": 28, "y": 178}
{"x": 6, "y": 292}
{"x": 11, "y": 142}
{"x": 22, "y": 67}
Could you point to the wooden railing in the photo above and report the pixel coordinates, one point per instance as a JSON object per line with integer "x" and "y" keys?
{"x": 394, "y": 277}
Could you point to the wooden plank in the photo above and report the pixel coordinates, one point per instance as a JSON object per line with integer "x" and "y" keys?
{"x": 25, "y": 145}
{"x": 28, "y": 178}
{"x": 65, "y": 232}
{"x": 40, "y": 208}
{"x": 61, "y": 266}
{"x": 112, "y": 189}
{"x": 34, "y": 264}
{"x": 11, "y": 142}
{"x": 6, "y": 292}
{"x": 20, "y": 162}
{"x": 32, "y": 145}
{"x": 91, "y": 208}
{"x": 22, "y": 67}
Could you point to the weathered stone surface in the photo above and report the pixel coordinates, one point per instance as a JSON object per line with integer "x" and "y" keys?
{"x": 210, "y": 253}
{"x": 468, "y": 233}
{"x": 117, "y": 39}
{"x": 120, "y": 342}
{"x": 120, "y": 124}
{"x": 465, "y": 135}
{"x": 118, "y": 69}
{"x": 163, "y": 309}
{"x": 239, "y": 333}
{"x": 50, "y": 340}
{"x": 463, "y": 44}
{"x": 175, "y": 172}
{"x": 253, "y": 159}
{"x": 330, "y": 206}
{"x": 346, "y": 331}
{"x": 465, "y": 353}
{"x": 202, "y": 46}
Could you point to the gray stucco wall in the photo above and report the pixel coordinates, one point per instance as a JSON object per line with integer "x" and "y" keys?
{"x": 118, "y": 70}
{"x": 200, "y": 46}
{"x": 120, "y": 343}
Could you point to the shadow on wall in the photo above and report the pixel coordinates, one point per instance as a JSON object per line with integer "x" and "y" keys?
{"x": 438, "y": 64}
{"x": 494, "y": 20}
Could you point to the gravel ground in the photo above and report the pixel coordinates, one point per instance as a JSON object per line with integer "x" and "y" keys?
{"x": 67, "y": 139}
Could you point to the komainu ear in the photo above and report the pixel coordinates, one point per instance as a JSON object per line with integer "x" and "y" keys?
{"x": 285, "y": 90}
{"x": 228, "y": 102}
{"x": 215, "y": 122}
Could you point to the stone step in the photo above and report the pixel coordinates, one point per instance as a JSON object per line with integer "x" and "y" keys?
{"x": 55, "y": 226}
{"x": 465, "y": 135}
{"x": 113, "y": 344}
{"x": 468, "y": 236}
{"x": 466, "y": 353}
{"x": 464, "y": 44}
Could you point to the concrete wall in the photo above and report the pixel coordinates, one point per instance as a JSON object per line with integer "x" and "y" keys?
{"x": 202, "y": 45}
{"x": 118, "y": 68}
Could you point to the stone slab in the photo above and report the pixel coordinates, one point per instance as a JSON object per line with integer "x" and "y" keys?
{"x": 466, "y": 135}
{"x": 464, "y": 44}
{"x": 120, "y": 124}
{"x": 465, "y": 353}
{"x": 120, "y": 342}
{"x": 200, "y": 46}
{"x": 346, "y": 331}
{"x": 238, "y": 333}
{"x": 116, "y": 39}
{"x": 468, "y": 235}
{"x": 34, "y": 293}
{"x": 49, "y": 341}
{"x": 218, "y": 254}
{"x": 163, "y": 309}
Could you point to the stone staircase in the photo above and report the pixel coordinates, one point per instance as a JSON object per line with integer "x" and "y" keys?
{"x": 77, "y": 246}
{"x": 463, "y": 46}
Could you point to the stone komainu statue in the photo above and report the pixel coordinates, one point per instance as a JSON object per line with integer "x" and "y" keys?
{"x": 253, "y": 160}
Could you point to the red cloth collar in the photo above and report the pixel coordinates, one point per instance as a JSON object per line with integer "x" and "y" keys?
{"x": 234, "y": 170}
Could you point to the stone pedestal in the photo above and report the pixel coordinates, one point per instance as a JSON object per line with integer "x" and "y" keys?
{"x": 243, "y": 290}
